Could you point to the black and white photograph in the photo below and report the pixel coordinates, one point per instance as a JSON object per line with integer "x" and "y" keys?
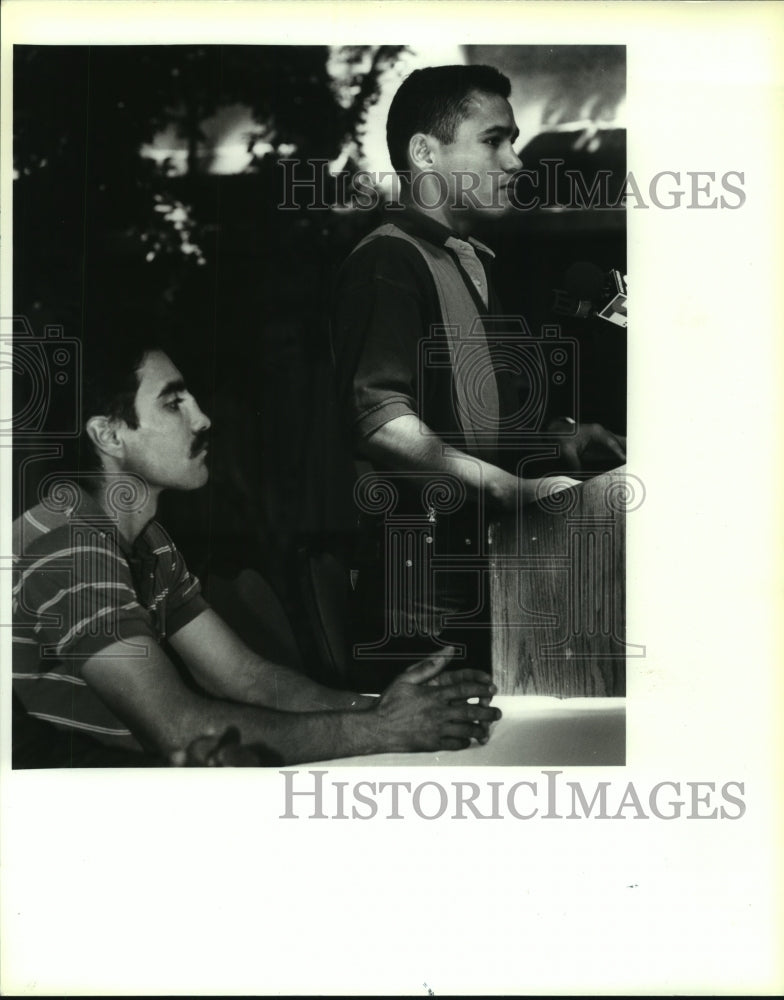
{"x": 368, "y": 441}
{"x": 368, "y": 499}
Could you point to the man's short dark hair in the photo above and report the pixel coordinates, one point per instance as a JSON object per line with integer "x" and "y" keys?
{"x": 435, "y": 101}
{"x": 111, "y": 380}
{"x": 112, "y": 358}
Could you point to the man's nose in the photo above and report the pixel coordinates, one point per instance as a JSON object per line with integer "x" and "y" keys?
{"x": 199, "y": 420}
{"x": 512, "y": 162}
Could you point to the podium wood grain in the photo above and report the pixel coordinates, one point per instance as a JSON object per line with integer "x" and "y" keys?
{"x": 557, "y": 593}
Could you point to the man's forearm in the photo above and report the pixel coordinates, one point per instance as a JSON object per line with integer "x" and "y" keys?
{"x": 265, "y": 684}
{"x": 288, "y": 736}
{"x": 405, "y": 443}
{"x": 224, "y": 666}
{"x": 289, "y": 691}
{"x": 422, "y": 709}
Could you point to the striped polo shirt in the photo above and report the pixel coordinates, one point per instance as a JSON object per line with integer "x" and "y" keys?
{"x": 80, "y": 587}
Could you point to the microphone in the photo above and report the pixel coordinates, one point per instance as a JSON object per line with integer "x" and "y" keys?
{"x": 588, "y": 291}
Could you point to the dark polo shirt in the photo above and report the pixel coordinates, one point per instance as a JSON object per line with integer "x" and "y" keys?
{"x": 385, "y": 307}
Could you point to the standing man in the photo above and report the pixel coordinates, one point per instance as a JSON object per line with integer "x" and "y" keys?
{"x": 423, "y": 394}
{"x": 104, "y": 604}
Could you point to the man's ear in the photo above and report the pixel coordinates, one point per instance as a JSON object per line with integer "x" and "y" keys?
{"x": 104, "y": 434}
{"x": 421, "y": 149}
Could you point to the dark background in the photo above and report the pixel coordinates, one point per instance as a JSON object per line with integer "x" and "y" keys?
{"x": 241, "y": 288}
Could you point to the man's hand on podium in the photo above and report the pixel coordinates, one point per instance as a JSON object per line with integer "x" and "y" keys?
{"x": 589, "y": 446}
{"x": 506, "y": 492}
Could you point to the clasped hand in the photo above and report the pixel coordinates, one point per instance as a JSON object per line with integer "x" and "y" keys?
{"x": 426, "y": 708}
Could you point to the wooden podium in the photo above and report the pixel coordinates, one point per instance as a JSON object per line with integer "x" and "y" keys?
{"x": 557, "y": 592}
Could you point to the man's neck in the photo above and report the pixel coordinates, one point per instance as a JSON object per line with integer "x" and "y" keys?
{"x": 460, "y": 223}
{"x": 130, "y": 501}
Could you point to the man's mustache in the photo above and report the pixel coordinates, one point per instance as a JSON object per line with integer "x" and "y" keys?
{"x": 200, "y": 442}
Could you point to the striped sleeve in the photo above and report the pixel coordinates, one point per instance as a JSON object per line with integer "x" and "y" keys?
{"x": 175, "y": 584}
{"x": 74, "y": 596}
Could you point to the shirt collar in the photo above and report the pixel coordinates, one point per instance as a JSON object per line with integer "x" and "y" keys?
{"x": 418, "y": 224}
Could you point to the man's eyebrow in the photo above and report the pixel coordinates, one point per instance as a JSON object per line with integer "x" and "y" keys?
{"x": 500, "y": 130}
{"x": 175, "y": 385}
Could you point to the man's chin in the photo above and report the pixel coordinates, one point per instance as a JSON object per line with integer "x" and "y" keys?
{"x": 500, "y": 205}
{"x": 194, "y": 481}
{"x": 489, "y": 210}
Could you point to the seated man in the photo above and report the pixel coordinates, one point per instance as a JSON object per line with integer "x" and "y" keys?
{"x": 101, "y": 590}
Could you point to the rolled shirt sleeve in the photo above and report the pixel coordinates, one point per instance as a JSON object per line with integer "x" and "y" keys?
{"x": 381, "y": 315}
